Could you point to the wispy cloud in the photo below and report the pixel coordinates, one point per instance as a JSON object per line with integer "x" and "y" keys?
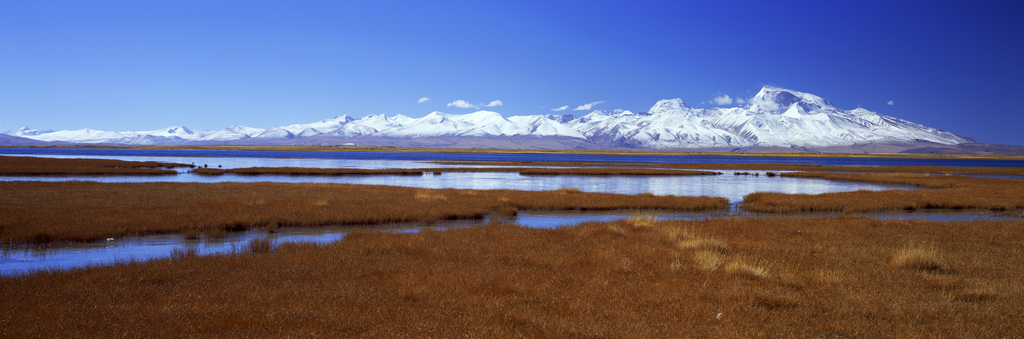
{"x": 422, "y": 100}
{"x": 588, "y": 106}
{"x": 722, "y": 100}
{"x": 890, "y": 102}
{"x": 461, "y": 104}
{"x": 465, "y": 104}
{"x": 560, "y": 108}
{"x": 740, "y": 101}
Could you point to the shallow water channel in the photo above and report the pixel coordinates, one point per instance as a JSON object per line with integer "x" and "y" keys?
{"x": 734, "y": 187}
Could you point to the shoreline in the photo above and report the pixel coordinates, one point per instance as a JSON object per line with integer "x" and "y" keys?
{"x": 339, "y": 148}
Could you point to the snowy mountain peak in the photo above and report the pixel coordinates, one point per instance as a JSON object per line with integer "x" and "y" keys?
{"x": 173, "y": 130}
{"x": 561, "y": 118}
{"x": 25, "y": 131}
{"x": 344, "y": 118}
{"x": 779, "y": 100}
{"x": 669, "y": 106}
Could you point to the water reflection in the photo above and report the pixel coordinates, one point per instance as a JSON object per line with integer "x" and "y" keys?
{"x": 729, "y": 186}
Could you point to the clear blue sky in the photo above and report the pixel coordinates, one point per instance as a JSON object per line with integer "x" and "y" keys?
{"x": 145, "y": 65}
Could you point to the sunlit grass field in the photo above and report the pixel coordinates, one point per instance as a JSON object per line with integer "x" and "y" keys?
{"x": 827, "y": 277}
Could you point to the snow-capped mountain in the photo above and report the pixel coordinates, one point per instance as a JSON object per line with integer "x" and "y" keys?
{"x": 775, "y": 117}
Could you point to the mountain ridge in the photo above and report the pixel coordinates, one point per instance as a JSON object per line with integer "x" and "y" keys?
{"x": 774, "y": 118}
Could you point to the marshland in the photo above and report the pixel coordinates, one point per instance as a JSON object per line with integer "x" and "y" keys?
{"x": 840, "y": 274}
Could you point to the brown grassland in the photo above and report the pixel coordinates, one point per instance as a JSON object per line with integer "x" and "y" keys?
{"x": 949, "y": 192}
{"x": 41, "y": 212}
{"x": 48, "y": 166}
{"x": 828, "y": 277}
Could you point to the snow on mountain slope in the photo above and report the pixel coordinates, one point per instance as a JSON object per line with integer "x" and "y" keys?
{"x": 775, "y": 117}
{"x": 230, "y": 133}
{"x": 27, "y": 132}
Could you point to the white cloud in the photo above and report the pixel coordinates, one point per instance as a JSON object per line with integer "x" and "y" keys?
{"x": 494, "y": 103}
{"x": 890, "y": 102}
{"x": 422, "y": 100}
{"x": 587, "y": 106}
{"x": 721, "y": 100}
{"x": 560, "y": 108}
{"x": 461, "y": 104}
{"x": 740, "y": 101}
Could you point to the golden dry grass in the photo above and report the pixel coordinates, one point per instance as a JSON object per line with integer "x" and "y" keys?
{"x": 925, "y": 258}
{"x": 950, "y": 192}
{"x": 828, "y": 277}
{"x": 43, "y": 212}
{"x": 49, "y": 166}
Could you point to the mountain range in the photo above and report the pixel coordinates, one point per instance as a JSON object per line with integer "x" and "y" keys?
{"x": 774, "y": 118}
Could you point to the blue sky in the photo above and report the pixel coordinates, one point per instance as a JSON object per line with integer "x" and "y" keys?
{"x": 145, "y": 65}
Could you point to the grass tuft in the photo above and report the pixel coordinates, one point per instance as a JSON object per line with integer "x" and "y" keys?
{"x": 642, "y": 220}
{"x": 708, "y": 261}
{"x": 747, "y": 270}
{"x": 919, "y": 258}
{"x": 565, "y": 190}
{"x": 430, "y": 196}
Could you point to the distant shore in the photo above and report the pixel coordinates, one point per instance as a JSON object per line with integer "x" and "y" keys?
{"x": 344, "y": 148}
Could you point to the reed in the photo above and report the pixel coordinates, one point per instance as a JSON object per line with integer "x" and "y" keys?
{"x": 832, "y": 278}
{"x": 259, "y": 245}
{"x": 41, "y": 212}
{"x": 29, "y": 166}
